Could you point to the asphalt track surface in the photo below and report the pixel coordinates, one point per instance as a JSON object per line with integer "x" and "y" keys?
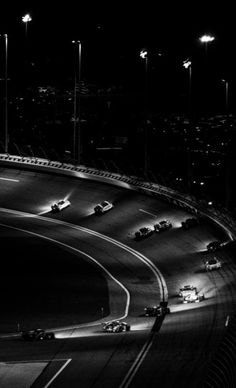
{"x": 177, "y": 354}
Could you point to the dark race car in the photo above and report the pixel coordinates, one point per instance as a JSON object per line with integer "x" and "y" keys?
{"x": 190, "y": 222}
{"x": 157, "y": 311}
{"x": 115, "y": 327}
{"x": 37, "y": 335}
{"x": 143, "y": 233}
{"x": 214, "y": 246}
{"x": 162, "y": 226}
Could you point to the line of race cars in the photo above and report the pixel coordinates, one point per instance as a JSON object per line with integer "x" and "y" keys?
{"x": 143, "y": 232}
{"x": 100, "y": 208}
{"x": 188, "y": 293}
{"x": 158, "y": 228}
{"x": 118, "y": 326}
{"x": 165, "y": 225}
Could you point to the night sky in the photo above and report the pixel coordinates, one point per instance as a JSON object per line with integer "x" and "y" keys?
{"x": 112, "y": 34}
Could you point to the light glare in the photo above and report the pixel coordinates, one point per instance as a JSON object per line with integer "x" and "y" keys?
{"x": 187, "y": 63}
{"x": 26, "y": 18}
{"x": 206, "y": 38}
{"x": 143, "y": 53}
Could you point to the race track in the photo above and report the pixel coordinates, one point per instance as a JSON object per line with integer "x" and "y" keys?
{"x": 127, "y": 276}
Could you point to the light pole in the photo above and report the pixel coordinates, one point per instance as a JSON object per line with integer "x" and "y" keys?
{"x": 187, "y": 64}
{"x": 26, "y": 19}
{"x": 226, "y": 95}
{"x": 144, "y": 55}
{"x": 76, "y": 118}
{"x": 206, "y": 39}
{"x": 6, "y": 93}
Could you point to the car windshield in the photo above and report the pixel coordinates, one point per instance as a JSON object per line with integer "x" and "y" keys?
{"x": 104, "y": 203}
{"x": 214, "y": 243}
{"x": 61, "y": 202}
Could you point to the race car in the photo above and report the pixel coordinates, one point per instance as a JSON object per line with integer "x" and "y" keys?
{"x": 115, "y": 327}
{"x": 143, "y": 233}
{"x": 190, "y": 222}
{"x": 103, "y": 207}
{"x": 157, "y": 311}
{"x": 193, "y": 298}
{"x": 60, "y": 205}
{"x": 213, "y": 263}
{"x": 213, "y": 246}
{"x": 37, "y": 335}
{"x": 186, "y": 290}
{"x": 162, "y": 225}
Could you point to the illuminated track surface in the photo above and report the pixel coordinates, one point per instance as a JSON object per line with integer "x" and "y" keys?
{"x": 83, "y": 356}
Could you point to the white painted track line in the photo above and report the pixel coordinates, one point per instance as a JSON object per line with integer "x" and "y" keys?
{"x": 58, "y": 372}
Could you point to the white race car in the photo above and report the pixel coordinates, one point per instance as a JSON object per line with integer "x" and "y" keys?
{"x": 213, "y": 263}
{"x": 103, "y": 207}
{"x": 115, "y": 327}
{"x": 186, "y": 290}
{"x": 60, "y": 205}
{"x": 193, "y": 298}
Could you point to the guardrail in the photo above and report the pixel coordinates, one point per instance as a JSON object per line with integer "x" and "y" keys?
{"x": 222, "y": 368}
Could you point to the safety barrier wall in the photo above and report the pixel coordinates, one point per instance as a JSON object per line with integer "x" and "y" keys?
{"x": 222, "y": 369}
